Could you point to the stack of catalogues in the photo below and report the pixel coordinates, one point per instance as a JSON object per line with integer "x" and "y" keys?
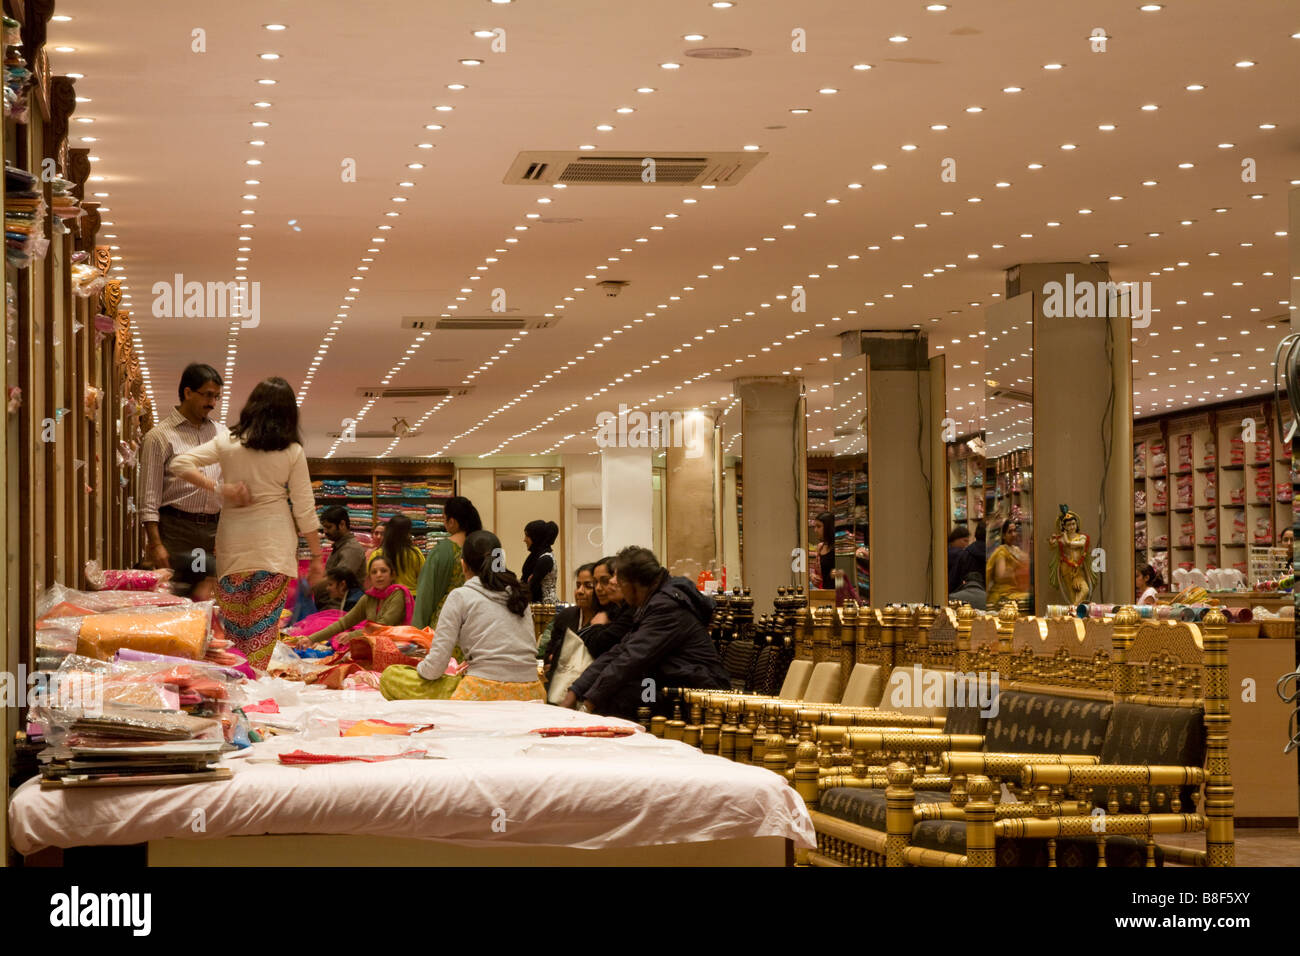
{"x": 122, "y": 745}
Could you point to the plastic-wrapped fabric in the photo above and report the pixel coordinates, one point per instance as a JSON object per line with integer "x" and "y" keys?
{"x": 176, "y": 632}
{"x": 60, "y": 601}
{"x": 110, "y": 579}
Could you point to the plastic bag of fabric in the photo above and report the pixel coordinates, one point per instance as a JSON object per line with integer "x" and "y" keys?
{"x": 174, "y": 631}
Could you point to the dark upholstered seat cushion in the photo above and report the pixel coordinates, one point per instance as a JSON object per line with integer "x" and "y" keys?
{"x": 965, "y": 720}
{"x": 1047, "y": 724}
{"x": 949, "y": 836}
{"x": 1147, "y": 734}
{"x": 866, "y": 807}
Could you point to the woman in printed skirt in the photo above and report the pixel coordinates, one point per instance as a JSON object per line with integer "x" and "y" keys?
{"x": 257, "y": 538}
{"x": 489, "y": 617}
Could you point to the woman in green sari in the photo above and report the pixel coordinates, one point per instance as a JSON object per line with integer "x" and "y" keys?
{"x": 442, "y": 567}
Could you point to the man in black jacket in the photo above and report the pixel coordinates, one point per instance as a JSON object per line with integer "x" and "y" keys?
{"x": 668, "y": 646}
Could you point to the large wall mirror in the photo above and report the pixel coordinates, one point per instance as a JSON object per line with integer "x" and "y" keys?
{"x": 1009, "y": 453}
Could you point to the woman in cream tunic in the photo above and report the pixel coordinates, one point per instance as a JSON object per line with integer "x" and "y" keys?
{"x": 269, "y": 502}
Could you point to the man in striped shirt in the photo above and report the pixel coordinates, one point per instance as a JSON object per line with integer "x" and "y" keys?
{"x": 180, "y": 520}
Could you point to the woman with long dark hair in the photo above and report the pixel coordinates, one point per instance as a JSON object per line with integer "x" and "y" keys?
{"x": 264, "y": 465}
{"x": 538, "y": 573}
{"x": 399, "y": 550}
{"x": 443, "y": 571}
{"x": 489, "y": 618}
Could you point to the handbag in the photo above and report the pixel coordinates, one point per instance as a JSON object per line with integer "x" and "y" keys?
{"x": 574, "y": 659}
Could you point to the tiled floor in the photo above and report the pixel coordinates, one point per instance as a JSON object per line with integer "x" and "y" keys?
{"x": 1254, "y": 846}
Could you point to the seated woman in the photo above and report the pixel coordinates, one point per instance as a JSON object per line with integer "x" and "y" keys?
{"x": 384, "y": 603}
{"x": 577, "y": 617}
{"x": 397, "y": 547}
{"x": 614, "y": 616}
{"x": 489, "y": 618}
{"x": 341, "y": 591}
{"x": 668, "y": 646}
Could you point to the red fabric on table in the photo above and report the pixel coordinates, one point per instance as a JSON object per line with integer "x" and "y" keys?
{"x": 302, "y": 757}
{"x": 584, "y": 731}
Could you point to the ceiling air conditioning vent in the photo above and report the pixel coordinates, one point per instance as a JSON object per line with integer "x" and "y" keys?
{"x": 419, "y": 391}
{"x": 492, "y": 322}
{"x": 628, "y": 168}
{"x": 414, "y": 433}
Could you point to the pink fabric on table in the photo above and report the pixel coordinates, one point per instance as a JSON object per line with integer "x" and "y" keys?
{"x": 313, "y": 623}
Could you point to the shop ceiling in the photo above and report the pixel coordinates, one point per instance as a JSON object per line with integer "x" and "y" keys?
{"x": 368, "y": 184}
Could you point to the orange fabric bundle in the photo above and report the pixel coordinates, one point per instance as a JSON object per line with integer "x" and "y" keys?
{"x": 376, "y": 647}
{"x": 181, "y": 632}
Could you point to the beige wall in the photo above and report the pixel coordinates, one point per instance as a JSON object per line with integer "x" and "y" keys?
{"x": 775, "y": 469}
{"x": 1073, "y": 379}
{"x": 691, "y": 541}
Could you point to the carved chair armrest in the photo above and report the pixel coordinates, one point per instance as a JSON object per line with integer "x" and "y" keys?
{"x": 1001, "y": 764}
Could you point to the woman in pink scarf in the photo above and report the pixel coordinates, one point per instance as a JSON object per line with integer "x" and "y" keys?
{"x": 385, "y": 603}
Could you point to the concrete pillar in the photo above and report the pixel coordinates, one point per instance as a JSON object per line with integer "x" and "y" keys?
{"x": 626, "y": 498}
{"x": 1083, "y": 418}
{"x": 774, "y": 522}
{"x": 905, "y": 464}
{"x": 693, "y": 497}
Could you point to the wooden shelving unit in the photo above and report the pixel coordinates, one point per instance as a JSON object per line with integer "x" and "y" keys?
{"x": 966, "y": 473}
{"x": 373, "y": 490}
{"x": 1202, "y": 495}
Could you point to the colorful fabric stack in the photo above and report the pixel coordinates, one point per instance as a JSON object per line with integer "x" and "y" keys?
{"x": 24, "y": 218}
{"x": 17, "y": 77}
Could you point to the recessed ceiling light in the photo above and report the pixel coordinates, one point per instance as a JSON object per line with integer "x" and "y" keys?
{"x": 268, "y": 56}
{"x": 938, "y": 127}
{"x": 1150, "y": 182}
{"x": 625, "y": 109}
{"x": 485, "y": 34}
{"x": 693, "y": 37}
{"x": 262, "y": 105}
{"x": 1151, "y": 7}
{"x": 76, "y": 76}
{"x": 1053, "y": 66}
{"x": 862, "y": 66}
{"x": 974, "y": 109}
{"x": 1068, "y": 146}
{"x": 751, "y": 147}
{"x": 470, "y": 61}
{"x": 1267, "y": 126}
{"x": 586, "y": 146}
{"x": 801, "y": 110}
{"x": 828, "y": 90}
{"x": 898, "y": 38}
{"x": 670, "y": 66}
{"x": 1243, "y": 64}
{"x": 415, "y": 165}
{"x": 1195, "y": 87}
{"x": 65, "y": 49}
{"x": 604, "y": 127}
{"x": 1227, "y": 145}
{"x": 1035, "y": 166}
{"x": 645, "y": 89}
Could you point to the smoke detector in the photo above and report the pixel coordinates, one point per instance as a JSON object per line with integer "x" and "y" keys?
{"x": 612, "y": 287}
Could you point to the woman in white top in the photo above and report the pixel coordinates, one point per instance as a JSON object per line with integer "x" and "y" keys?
{"x": 489, "y": 619}
{"x": 1148, "y": 579}
{"x": 265, "y": 468}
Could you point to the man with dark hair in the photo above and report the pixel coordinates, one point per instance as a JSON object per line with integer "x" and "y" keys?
{"x": 179, "y": 519}
{"x": 668, "y": 645}
{"x": 346, "y": 551}
{"x": 958, "y": 538}
{"x": 972, "y": 559}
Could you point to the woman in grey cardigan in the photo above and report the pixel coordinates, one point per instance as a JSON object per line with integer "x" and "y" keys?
{"x": 489, "y": 619}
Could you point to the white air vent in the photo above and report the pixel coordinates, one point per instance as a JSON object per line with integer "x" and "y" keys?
{"x": 415, "y": 433}
{"x": 419, "y": 391}
{"x": 718, "y": 52}
{"x": 492, "y": 322}
{"x": 628, "y": 168}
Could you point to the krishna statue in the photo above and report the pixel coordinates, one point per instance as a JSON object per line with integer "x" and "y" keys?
{"x": 1070, "y": 570}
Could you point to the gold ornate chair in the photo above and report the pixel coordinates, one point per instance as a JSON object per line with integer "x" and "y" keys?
{"x": 1163, "y": 741}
